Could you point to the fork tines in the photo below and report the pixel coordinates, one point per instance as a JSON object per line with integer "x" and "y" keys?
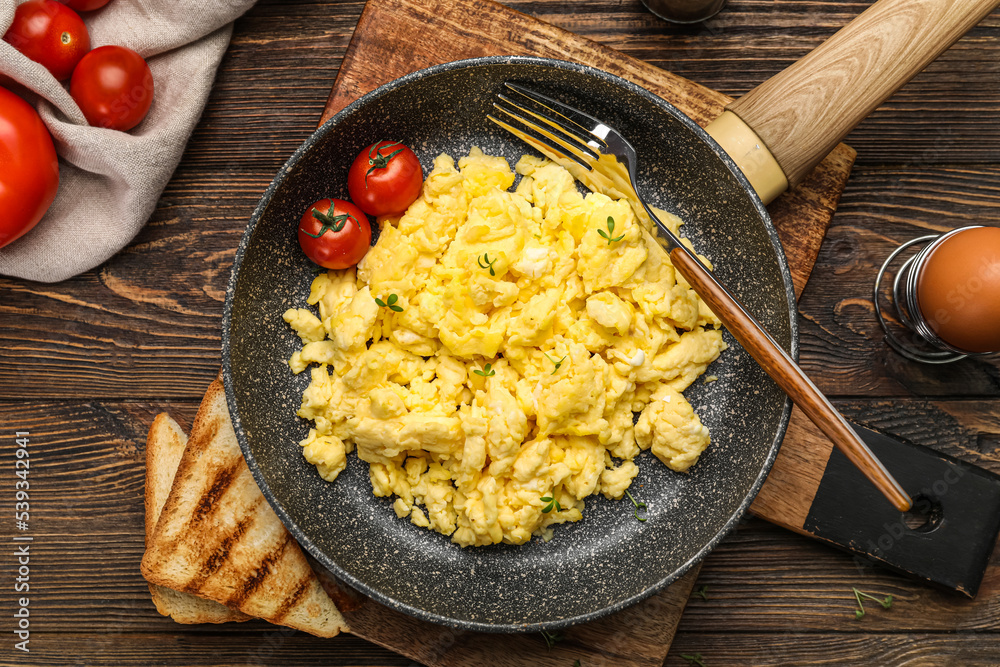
{"x": 539, "y": 119}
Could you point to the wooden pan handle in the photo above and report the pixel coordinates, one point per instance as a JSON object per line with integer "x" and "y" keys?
{"x": 806, "y": 110}
{"x": 776, "y": 363}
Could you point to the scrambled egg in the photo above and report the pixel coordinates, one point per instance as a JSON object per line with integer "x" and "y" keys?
{"x": 504, "y": 377}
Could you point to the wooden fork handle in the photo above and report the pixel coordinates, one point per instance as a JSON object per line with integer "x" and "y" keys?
{"x": 806, "y": 110}
{"x": 776, "y": 363}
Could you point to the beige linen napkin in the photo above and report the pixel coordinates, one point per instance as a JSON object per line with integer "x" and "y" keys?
{"x": 110, "y": 181}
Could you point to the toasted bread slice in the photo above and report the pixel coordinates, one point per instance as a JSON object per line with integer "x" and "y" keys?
{"x": 164, "y": 448}
{"x": 219, "y": 539}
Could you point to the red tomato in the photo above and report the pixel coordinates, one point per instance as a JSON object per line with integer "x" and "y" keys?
{"x": 29, "y": 170}
{"x": 85, "y": 5}
{"x": 334, "y": 233}
{"x": 113, "y": 87}
{"x": 49, "y": 33}
{"x": 385, "y": 178}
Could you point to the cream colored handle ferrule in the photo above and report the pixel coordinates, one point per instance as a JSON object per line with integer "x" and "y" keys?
{"x": 750, "y": 154}
{"x": 806, "y": 110}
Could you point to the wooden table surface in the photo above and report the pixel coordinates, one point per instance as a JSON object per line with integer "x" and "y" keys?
{"x": 85, "y": 364}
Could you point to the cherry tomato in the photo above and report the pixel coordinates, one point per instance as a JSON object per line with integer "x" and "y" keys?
{"x": 334, "y": 233}
{"x": 49, "y": 33}
{"x": 113, "y": 87}
{"x": 385, "y": 178}
{"x": 29, "y": 170}
{"x": 85, "y": 5}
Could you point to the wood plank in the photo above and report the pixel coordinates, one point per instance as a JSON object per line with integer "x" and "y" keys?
{"x": 272, "y": 648}
{"x": 198, "y": 646}
{"x": 794, "y": 647}
{"x": 802, "y": 648}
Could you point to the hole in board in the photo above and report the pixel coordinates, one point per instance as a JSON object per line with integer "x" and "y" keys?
{"x": 925, "y": 515}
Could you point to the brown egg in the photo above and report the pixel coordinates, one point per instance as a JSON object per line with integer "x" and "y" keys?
{"x": 958, "y": 289}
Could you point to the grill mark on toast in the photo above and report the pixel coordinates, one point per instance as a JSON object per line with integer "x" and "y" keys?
{"x": 205, "y": 506}
{"x": 292, "y": 600}
{"x": 209, "y": 501}
{"x": 248, "y": 586}
{"x": 218, "y": 557}
{"x": 201, "y": 441}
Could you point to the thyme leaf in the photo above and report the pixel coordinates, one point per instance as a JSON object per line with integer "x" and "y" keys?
{"x": 389, "y": 303}
{"x": 485, "y": 263}
{"x": 486, "y": 372}
{"x": 552, "y": 502}
{"x": 886, "y": 602}
{"x": 551, "y": 638}
{"x": 635, "y": 512}
{"x": 608, "y": 235}
{"x": 555, "y": 363}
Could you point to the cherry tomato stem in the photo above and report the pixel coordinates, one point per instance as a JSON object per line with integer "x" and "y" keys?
{"x": 379, "y": 161}
{"x": 331, "y": 222}
{"x": 329, "y": 239}
{"x": 385, "y": 178}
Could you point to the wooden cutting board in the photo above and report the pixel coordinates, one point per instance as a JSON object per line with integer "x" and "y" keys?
{"x": 396, "y": 37}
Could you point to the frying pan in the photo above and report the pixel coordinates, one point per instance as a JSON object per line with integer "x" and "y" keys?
{"x": 608, "y": 560}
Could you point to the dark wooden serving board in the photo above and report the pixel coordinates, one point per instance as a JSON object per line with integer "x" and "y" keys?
{"x": 396, "y": 37}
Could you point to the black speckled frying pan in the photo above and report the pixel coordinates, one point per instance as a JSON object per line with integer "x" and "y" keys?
{"x": 606, "y": 561}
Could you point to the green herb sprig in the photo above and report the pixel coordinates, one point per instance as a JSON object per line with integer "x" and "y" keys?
{"x": 859, "y": 613}
{"x": 552, "y": 503}
{"x": 555, "y": 363}
{"x": 694, "y": 659}
{"x": 635, "y": 512}
{"x": 390, "y": 303}
{"x": 551, "y": 638}
{"x": 486, "y": 372}
{"x": 485, "y": 263}
{"x": 607, "y": 235}
{"x": 702, "y": 593}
